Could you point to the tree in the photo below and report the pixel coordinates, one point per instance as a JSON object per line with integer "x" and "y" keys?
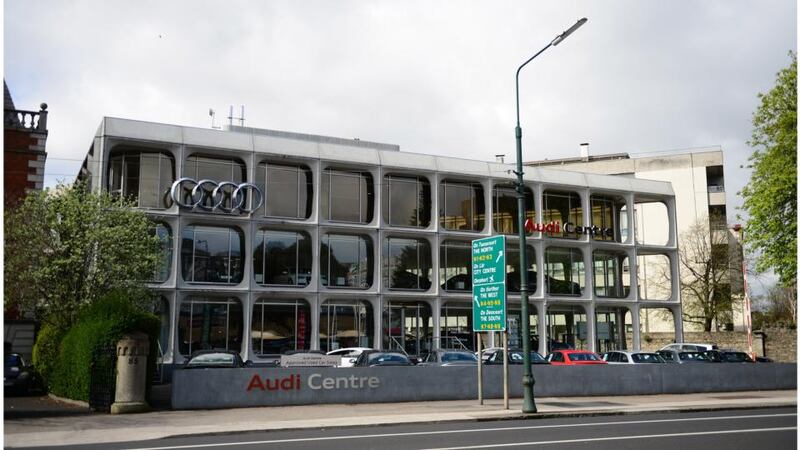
{"x": 67, "y": 247}
{"x": 770, "y": 199}
{"x": 777, "y": 308}
{"x": 705, "y": 264}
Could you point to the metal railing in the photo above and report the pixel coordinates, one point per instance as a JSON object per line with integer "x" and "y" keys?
{"x": 26, "y": 120}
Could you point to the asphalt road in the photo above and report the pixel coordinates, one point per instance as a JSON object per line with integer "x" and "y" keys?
{"x": 774, "y": 428}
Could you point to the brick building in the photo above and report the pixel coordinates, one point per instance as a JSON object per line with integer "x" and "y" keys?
{"x": 25, "y": 137}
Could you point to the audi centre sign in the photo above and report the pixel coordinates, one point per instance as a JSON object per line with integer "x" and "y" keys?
{"x": 489, "y": 284}
{"x": 210, "y": 195}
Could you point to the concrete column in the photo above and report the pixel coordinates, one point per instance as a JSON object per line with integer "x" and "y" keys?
{"x": 314, "y": 309}
{"x": 436, "y": 314}
{"x": 637, "y": 342}
{"x": 541, "y": 319}
{"x": 246, "y": 349}
{"x": 132, "y": 352}
{"x": 591, "y": 334}
{"x": 676, "y": 316}
{"x": 377, "y": 315}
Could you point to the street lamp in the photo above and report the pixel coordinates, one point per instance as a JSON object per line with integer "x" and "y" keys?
{"x": 528, "y": 404}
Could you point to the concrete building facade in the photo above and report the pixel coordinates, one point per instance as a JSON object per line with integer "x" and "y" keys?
{"x": 278, "y": 241}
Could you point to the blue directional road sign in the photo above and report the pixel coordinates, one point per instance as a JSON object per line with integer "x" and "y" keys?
{"x": 489, "y": 284}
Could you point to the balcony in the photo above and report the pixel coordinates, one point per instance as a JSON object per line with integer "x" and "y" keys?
{"x": 34, "y": 121}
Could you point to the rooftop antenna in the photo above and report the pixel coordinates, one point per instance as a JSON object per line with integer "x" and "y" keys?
{"x": 231, "y": 118}
{"x": 213, "y": 115}
{"x": 241, "y": 118}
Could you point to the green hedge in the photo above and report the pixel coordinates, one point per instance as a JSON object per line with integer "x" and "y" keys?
{"x": 100, "y": 324}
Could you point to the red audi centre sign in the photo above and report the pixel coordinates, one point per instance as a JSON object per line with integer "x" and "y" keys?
{"x": 568, "y": 228}
{"x": 314, "y": 381}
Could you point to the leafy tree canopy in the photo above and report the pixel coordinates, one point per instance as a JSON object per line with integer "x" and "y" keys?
{"x": 67, "y": 247}
{"x": 770, "y": 199}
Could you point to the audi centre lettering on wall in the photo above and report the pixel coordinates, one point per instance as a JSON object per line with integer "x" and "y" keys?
{"x": 568, "y": 228}
{"x": 314, "y": 382}
{"x": 211, "y": 195}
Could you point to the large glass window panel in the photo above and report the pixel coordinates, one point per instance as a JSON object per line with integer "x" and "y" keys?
{"x": 455, "y": 326}
{"x": 654, "y": 276}
{"x": 164, "y": 234}
{"x": 161, "y": 311}
{"x": 288, "y": 190}
{"x": 462, "y": 206}
{"x": 345, "y": 323}
{"x": 565, "y": 271}
{"x": 346, "y": 261}
{"x": 406, "y": 201}
{"x": 505, "y": 208}
{"x": 562, "y": 207}
{"x": 407, "y": 263}
{"x": 407, "y": 327}
{"x": 607, "y": 213}
{"x": 512, "y": 267}
{"x": 280, "y": 326}
{"x": 219, "y": 170}
{"x": 212, "y": 255}
{"x": 611, "y": 274}
{"x": 455, "y": 266}
{"x": 347, "y": 196}
{"x": 566, "y": 326}
{"x": 282, "y": 257}
{"x": 209, "y": 324}
{"x": 143, "y": 177}
{"x": 514, "y": 326}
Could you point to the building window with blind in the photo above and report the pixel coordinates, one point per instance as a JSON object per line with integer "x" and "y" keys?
{"x": 406, "y": 201}
{"x": 462, "y": 207}
{"x": 280, "y": 326}
{"x": 209, "y": 323}
{"x": 346, "y": 261}
{"x": 288, "y": 190}
{"x": 143, "y": 177}
{"x": 347, "y": 196}
{"x": 218, "y": 170}
{"x": 282, "y": 258}
{"x": 407, "y": 264}
{"x": 504, "y": 215}
{"x": 212, "y": 255}
{"x": 562, "y": 207}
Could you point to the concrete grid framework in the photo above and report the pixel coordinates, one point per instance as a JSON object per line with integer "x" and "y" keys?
{"x": 255, "y": 146}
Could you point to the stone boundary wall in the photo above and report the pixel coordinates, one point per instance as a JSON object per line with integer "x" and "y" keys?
{"x": 231, "y": 388}
{"x": 781, "y": 343}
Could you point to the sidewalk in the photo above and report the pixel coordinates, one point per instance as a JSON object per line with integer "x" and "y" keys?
{"x": 98, "y": 428}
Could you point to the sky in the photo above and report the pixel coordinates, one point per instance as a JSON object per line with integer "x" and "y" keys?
{"x": 433, "y": 77}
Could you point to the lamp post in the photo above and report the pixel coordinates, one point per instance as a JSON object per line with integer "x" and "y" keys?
{"x": 528, "y": 404}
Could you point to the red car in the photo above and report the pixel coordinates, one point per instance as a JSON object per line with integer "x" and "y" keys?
{"x": 574, "y": 358}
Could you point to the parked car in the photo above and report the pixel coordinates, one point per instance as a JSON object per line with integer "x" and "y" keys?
{"x": 764, "y": 359}
{"x": 18, "y": 377}
{"x": 515, "y": 356}
{"x": 487, "y": 352}
{"x": 574, "y": 358}
{"x": 377, "y": 358}
{"x": 728, "y": 356}
{"x": 349, "y": 355}
{"x": 450, "y": 358}
{"x": 681, "y": 357}
{"x": 623, "y": 357}
{"x": 689, "y": 347}
{"x": 215, "y": 359}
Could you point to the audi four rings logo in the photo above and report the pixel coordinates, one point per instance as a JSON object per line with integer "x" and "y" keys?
{"x": 204, "y": 190}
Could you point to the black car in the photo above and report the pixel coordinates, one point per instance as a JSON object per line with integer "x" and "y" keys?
{"x": 215, "y": 359}
{"x": 377, "y": 358}
{"x": 18, "y": 377}
{"x": 728, "y": 356}
{"x": 681, "y": 357}
{"x": 450, "y": 358}
{"x": 515, "y": 356}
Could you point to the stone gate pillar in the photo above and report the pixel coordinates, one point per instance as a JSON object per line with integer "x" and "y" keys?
{"x": 132, "y": 351}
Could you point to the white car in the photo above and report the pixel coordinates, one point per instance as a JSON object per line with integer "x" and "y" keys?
{"x": 623, "y": 357}
{"x": 348, "y": 355}
{"x": 689, "y": 347}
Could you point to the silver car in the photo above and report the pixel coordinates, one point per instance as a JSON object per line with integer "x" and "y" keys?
{"x": 623, "y": 357}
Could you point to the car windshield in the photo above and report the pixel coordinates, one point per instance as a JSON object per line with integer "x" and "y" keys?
{"x": 583, "y": 357}
{"x": 735, "y": 357}
{"x": 646, "y": 358}
{"x": 13, "y": 361}
{"x": 212, "y": 359}
{"x": 692, "y": 356}
{"x": 387, "y": 357}
{"x": 458, "y": 356}
{"x": 517, "y": 356}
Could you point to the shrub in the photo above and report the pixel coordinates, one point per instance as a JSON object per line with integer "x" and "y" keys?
{"x": 102, "y": 323}
{"x": 46, "y": 352}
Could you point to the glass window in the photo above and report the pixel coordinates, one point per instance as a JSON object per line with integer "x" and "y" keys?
{"x": 455, "y": 326}
{"x": 164, "y": 234}
{"x": 212, "y": 255}
{"x": 347, "y": 196}
{"x": 407, "y": 327}
{"x": 288, "y": 190}
{"x": 455, "y": 266}
{"x": 346, "y": 261}
{"x": 654, "y": 277}
{"x": 282, "y": 258}
{"x": 564, "y": 208}
{"x": 406, "y": 201}
{"x": 611, "y": 274}
{"x": 215, "y": 169}
{"x": 462, "y": 206}
{"x": 512, "y": 267}
{"x": 345, "y": 323}
{"x": 143, "y": 177}
{"x": 209, "y": 324}
{"x": 607, "y": 215}
{"x": 407, "y": 263}
{"x": 161, "y": 310}
{"x": 505, "y": 208}
{"x": 565, "y": 271}
{"x": 280, "y": 326}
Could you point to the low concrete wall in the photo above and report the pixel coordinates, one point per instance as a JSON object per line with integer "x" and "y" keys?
{"x": 228, "y": 388}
